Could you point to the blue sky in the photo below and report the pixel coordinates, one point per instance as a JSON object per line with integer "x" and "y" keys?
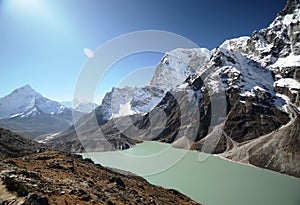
{"x": 42, "y": 41}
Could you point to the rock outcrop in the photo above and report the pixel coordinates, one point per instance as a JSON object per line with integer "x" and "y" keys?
{"x": 278, "y": 151}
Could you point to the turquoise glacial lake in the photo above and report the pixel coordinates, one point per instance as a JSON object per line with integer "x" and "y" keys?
{"x": 205, "y": 178}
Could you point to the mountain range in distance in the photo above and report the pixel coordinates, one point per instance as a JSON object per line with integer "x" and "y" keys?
{"x": 84, "y": 107}
{"x": 27, "y": 112}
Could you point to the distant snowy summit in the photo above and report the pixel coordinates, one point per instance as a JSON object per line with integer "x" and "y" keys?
{"x": 29, "y": 113}
{"x": 26, "y": 102}
{"x": 80, "y": 106}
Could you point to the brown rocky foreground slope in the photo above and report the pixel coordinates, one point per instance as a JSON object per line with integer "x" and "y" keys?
{"x": 56, "y": 178}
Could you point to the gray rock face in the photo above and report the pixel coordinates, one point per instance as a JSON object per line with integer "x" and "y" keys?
{"x": 290, "y": 7}
{"x": 128, "y": 101}
{"x": 295, "y": 37}
{"x": 278, "y": 151}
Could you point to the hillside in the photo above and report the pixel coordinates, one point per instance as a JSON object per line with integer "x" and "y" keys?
{"x": 12, "y": 145}
{"x": 58, "y": 179}
{"x": 32, "y": 174}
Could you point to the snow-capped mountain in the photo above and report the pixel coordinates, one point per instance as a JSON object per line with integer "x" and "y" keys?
{"x": 236, "y": 71}
{"x": 26, "y": 102}
{"x": 177, "y": 65}
{"x": 27, "y": 112}
{"x": 277, "y": 49}
{"x": 84, "y": 107}
{"x": 274, "y": 46}
{"x": 173, "y": 69}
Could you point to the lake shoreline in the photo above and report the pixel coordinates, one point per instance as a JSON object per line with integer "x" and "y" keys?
{"x": 233, "y": 183}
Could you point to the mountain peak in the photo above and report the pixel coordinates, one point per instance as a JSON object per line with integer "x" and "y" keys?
{"x": 290, "y": 14}
{"x": 177, "y": 65}
{"x": 26, "y": 87}
{"x": 25, "y": 101}
{"x": 24, "y": 91}
{"x": 290, "y": 7}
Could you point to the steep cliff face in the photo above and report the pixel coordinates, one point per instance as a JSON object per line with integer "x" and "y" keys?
{"x": 128, "y": 101}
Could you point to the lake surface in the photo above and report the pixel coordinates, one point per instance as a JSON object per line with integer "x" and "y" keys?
{"x": 205, "y": 178}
